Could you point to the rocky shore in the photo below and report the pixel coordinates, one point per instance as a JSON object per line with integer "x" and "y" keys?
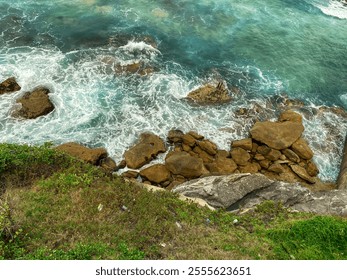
{"x": 275, "y": 150}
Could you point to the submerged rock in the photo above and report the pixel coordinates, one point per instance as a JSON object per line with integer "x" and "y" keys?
{"x": 9, "y": 85}
{"x": 34, "y": 104}
{"x": 210, "y": 94}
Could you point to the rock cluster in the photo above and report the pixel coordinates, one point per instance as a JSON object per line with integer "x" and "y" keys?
{"x": 275, "y": 149}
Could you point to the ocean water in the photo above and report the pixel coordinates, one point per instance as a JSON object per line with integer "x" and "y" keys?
{"x": 266, "y": 49}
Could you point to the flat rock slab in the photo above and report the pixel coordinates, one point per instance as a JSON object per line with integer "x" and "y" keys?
{"x": 245, "y": 191}
{"x": 88, "y": 155}
{"x": 277, "y": 135}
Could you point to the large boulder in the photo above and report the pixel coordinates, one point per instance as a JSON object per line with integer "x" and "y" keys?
{"x": 156, "y": 173}
{"x": 93, "y": 156}
{"x": 149, "y": 146}
{"x": 277, "y": 135}
{"x": 182, "y": 163}
{"x": 245, "y": 191}
{"x": 9, "y": 85}
{"x": 34, "y": 104}
{"x": 210, "y": 94}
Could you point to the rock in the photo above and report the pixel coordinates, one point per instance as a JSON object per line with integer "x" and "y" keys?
{"x": 181, "y": 163}
{"x": 301, "y": 148}
{"x": 342, "y": 178}
{"x": 208, "y": 146}
{"x": 276, "y": 167}
{"x": 175, "y": 136}
{"x": 229, "y": 191}
{"x": 325, "y": 203}
{"x": 149, "y": 147}
{"x": 157, "y": 173}
{"x": 222, "y": 166}
{"x": 93, "y": 156}
{"x": 312, "y": 169}
{"x": 196, "y": 135}
{"x": 277, "y": 135}
{"x": 245, "y": 191}
{"x": 273, "y": 155}
{"x": 209, "y": 94}
{"x": 122, "y": 164}
{"x": 259, "y": 157}
{"x": 291, "y": 155}
{"x": 206, "y": 158}
{"x": 108, "y": 164}
{"x": 263, "y": 150}
{"x": 245, "y": 144}
{"x": 9, "y": 85}
{"x": 302, "y": 173}
{"x": 130, "y": 174}
{"x": 290, "y": 116}
{"x": 240, "y": 156}
{"x": 188, "y": 140}
{"x": 34, "y": 104}
{"x": 265, "y": 163}
{"x": 250, "y": 167}
{"x": 222, "y": 154}
{"x": 134, "y": 68}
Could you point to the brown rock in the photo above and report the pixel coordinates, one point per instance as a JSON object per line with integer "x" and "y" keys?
{"x": 222, "y": 154}
{"x": 291, "y": 155}
{"x": 245, "y": 144}
{"x": 259, "y": 157}
{"x": 273, "y": 155}
{"x": 108, "y": 164}
{"x": 122, "y": 164}
{"x": 134, "y": 68}
{"x": 196, "y": 135}
{"x": 206, "y": 158}
{"x": 208, "y": 147}
{"x": 312, "y": 169}
{"x": 149, "y": 146}
{"x": 240, "y": 156}
{"x": 188, "y": 140}
{"x": 277, "y": 168}
{"x": 277, "y": 135}
{"x": 157, "y": 173}
{"x": 250, "y": 168}
{"x": 88, "y": 155}
{"x": 34, "y": 104}
{"x": 254, "y": 147}
{"x": 263, "y": 150}
{"x": 175, "y": 136}
{"x": 209, "y": 94}
{"x": 181, "y": 163}
{"x": 222, "y": 166}
{"x": 186, "y": 148}
{"x": 265, "y": 163}
{"x": 301, "y": 148}
{"x": 290, "y": 116}
{"x": 130, "y": 174}
{"x": 302, "y": 173}
{"x": 9, "y": 85}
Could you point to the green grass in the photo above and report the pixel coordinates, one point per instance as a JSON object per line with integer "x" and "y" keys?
{"x": 56, "y": 207}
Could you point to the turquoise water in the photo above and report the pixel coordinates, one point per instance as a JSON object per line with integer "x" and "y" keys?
{"x": 265, "y": 48}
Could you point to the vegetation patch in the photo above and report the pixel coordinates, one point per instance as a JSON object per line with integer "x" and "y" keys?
{"x": 66, "y": 209}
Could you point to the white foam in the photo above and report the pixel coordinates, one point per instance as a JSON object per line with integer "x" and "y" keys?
{"x": 335, "y": 8}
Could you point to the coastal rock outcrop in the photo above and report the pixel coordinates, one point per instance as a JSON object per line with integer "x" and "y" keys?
{"x": 9, "y": 85}
{"x": 148, "y": 147}
{"x": 34, "y": 104}
{"x": 210, "y": 94}
{"x": 245, "y": 191}
{"x": 93, "y": 156}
